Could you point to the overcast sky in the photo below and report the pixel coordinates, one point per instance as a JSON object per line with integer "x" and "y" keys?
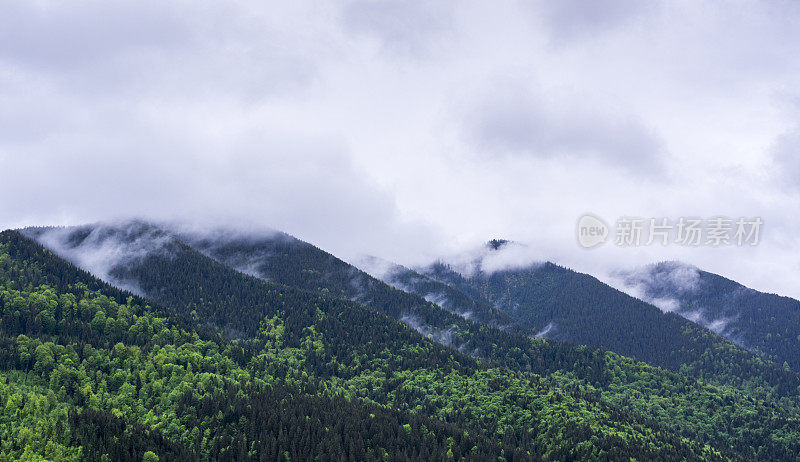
{"x": 411, "y": 129}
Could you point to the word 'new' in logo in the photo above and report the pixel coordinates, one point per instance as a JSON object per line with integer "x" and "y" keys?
{"x": 592, "y": 231}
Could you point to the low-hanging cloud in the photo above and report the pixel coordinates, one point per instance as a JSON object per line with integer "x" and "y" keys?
{"x": 105, "y": 250}
{"x": 487, "y": 259}
{"x": 546, "y": 331}
{"x": 665, "y": 285}
{"x": 659, "y": 284}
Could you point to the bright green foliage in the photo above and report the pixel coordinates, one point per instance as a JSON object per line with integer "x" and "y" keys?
{"x": 33, "y": 423}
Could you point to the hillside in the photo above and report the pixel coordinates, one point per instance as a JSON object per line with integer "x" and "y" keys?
{"x": 576, "y": 308}
{"x": 282, "y": 258}
{"x": 448, "y": 297}
{"x": 564, "y": 305}
{"x": 117, "y": 375}
{"x": 159, "y": 262}
{"x": 765, "y": 323}
{"x": 235, "y": 304}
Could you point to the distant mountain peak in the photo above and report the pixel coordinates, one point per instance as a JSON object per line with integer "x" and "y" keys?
{"x": 496, "y": 244}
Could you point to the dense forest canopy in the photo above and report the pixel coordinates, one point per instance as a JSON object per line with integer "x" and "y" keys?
{"x": 223, "y": 365}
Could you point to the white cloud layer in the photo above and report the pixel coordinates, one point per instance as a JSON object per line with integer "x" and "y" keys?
{"x": 411, "y": 129}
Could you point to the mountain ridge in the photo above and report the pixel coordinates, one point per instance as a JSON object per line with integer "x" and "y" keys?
{"x": 763, "y": 322}
{"x": 683, "y": 345}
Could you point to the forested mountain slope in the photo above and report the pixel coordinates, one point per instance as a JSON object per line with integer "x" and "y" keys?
{"x": 110, "y": 373}
{"x": 239, "y": 305}
{"x": 595, "y": 313}
{"x": 88, "y": 355}
{"x": 281, "y": 258}
{"x": 765, "y": 323}
{"x": 222, "y": 298}
{"x": 446, "y": 296}
{"x": 565, "y": 305}
{"x": 158, "y": 261}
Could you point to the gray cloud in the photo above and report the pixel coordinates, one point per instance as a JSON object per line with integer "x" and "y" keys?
{"x": 786, "y": 160}
{"x": 404, "y": 27}
{"x": 327, "y": 201}
{"x": 408, "y": 130}
{"x": 136, "y": 50}
{"x": 579, "y": 19}
{"x": 64, "y": 38}
{"x": 514, "y": 121}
